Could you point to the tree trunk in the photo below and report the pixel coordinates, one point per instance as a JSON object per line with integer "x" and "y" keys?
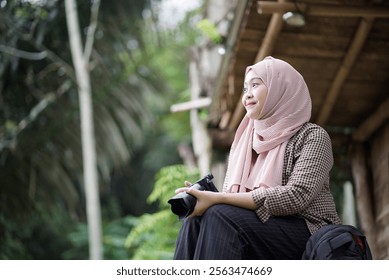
{"x": 80, "y": 63}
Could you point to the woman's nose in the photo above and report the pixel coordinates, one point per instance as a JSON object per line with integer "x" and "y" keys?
{"x": 248, "y": 94}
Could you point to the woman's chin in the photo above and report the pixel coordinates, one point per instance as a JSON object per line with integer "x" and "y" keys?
{"x": 252, "y": 115}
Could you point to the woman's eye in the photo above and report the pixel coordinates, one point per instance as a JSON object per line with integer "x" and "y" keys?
{"x": 255, "y": 84}
{"x": 244, "y": 90}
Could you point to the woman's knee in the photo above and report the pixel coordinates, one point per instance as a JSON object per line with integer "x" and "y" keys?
{"x": 214, "y": 210}
{"x": 230, "y": 216}
{"x": 191, "y": 223}
{"x": 218, "y": 212}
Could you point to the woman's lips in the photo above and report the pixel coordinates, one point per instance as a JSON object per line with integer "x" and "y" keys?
{"x": 251, "y": 103}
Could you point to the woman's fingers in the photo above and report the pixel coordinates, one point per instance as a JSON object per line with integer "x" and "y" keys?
{"x": 187, "y": 183}
{"x": 179, "y": 190}
{"x": 185, "y": 189}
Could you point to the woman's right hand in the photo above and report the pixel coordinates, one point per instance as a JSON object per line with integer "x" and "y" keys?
{"x": 205, "y": 199}
{"x": 185, "y": 189}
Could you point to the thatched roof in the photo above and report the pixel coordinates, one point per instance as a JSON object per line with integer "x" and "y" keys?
{"x": 342, "y": 52}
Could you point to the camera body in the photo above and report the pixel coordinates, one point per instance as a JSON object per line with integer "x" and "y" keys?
{"x": 183, "y": 204}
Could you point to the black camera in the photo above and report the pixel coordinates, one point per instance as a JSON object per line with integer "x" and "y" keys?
{"x": 183, "y": 204}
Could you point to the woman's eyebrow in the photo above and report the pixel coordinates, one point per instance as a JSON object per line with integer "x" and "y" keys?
{"x": 254, "y": 78}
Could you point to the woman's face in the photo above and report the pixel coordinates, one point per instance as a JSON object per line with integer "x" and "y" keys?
{"x": 254, "y": 95}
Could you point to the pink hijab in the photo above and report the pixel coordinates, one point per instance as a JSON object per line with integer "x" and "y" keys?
{"x": 287, "y": 107}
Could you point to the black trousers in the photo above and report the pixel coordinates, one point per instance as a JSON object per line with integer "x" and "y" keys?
{"x": 228, "y": 232}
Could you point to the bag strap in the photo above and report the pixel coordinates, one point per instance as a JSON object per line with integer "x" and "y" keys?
{"x": 327, "y": 247}
{"x": 343, "y": 238}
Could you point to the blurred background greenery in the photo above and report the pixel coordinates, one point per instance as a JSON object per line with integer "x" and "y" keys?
{"x": 138, "y": 70}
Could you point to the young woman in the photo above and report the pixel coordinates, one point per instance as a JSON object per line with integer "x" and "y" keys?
{"x": 276, "y": 192}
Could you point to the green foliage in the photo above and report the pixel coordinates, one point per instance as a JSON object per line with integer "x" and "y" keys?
{"x": 209, "y": 30}
{"x": 155, "y": 234}
{"x": 114, "y": 236}
{"x": 137, "y": 73}
{"x": 152, "y": 236}
{"x": 168, "y": 180}
{"x": 79, "y": 244}
{"x": 40, "y": 236}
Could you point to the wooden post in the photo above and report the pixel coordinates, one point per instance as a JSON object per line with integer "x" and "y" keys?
{"x": 363, "y": 194}
{"x": 202, "y": 145}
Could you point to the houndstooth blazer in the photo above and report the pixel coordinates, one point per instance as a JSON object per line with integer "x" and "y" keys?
{"x": 305, "y": 181}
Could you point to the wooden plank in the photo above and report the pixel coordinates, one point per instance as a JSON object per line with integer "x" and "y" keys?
{"x": 267, "y": 7}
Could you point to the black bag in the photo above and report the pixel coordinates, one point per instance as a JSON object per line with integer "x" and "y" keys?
{"x": 337, "y": 242}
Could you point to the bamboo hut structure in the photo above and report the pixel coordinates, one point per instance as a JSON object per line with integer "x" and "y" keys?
{"x": 342, "y": 50}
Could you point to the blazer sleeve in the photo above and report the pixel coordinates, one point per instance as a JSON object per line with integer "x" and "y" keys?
{"x": 314, "y": 160}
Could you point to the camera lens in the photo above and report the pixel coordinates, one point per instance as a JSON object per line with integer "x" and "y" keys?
{"x": 183, "y": 204}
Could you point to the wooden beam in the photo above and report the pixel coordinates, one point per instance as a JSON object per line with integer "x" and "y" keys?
{"x": 267, "y": 46}
{"x": 190, "y": 105}
{"x": 344, "y": 69}
{"x": 372, "y": 123}
{"x": 270, "y": 39}
{"x": 265, "y": 7}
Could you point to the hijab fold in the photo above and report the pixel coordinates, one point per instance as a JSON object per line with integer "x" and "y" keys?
{"x": 257, "y": 152}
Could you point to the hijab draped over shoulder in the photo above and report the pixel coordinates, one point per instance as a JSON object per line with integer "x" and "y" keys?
{"x": 257, "y": 152}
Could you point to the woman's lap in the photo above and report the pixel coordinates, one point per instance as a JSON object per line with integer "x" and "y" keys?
{"x": 229, "y": 232}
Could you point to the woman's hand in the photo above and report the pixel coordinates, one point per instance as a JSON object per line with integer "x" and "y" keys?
{"x": 205, "y": 199}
